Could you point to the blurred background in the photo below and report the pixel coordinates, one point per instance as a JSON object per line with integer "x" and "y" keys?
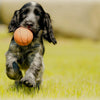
{"x": 70, "y": 18}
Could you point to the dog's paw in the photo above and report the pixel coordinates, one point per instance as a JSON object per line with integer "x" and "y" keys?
{"x": 29, "y": 81}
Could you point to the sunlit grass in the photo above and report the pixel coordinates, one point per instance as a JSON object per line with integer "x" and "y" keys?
{"x": 72, "y": 70}
{"x": 4, "y": 35}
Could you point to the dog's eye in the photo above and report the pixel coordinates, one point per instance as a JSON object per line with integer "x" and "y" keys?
{"x": 37, "y": 12}
{"x": 26, "y": 11}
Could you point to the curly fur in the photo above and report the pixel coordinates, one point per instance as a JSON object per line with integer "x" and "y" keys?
{"x": 29, "y": 58}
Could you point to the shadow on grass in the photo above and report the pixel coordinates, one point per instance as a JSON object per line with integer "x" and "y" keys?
{"x": 23, "y": 89}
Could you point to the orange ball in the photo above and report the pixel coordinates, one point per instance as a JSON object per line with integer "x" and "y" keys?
{"x": 23, "y": 36}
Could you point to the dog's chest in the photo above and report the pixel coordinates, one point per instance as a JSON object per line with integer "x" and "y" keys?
{"x": 27, "y": 54}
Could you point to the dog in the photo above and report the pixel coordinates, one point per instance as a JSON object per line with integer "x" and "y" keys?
{"x": 29, "y": 58}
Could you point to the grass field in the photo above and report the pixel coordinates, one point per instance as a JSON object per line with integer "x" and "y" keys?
{"x": 72, "y": 71}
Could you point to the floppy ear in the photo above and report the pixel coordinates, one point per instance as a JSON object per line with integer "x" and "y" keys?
{"x": 14, "y": 22}
{"x": 48, "y": 30}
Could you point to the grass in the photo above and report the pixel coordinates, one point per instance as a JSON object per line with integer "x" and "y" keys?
{"x": 72, "y": 70}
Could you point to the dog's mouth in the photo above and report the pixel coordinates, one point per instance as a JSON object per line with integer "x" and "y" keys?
{"x": 32, "y": 28}
{"x": 29, "y": 26}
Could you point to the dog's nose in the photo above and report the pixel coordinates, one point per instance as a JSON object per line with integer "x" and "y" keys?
{"x": 29, "y": 23}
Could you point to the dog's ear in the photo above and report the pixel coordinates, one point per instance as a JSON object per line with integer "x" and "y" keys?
{"x": 48, "y": 30}
{"x": 14, "y": 22}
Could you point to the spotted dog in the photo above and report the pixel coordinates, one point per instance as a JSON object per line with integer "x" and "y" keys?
{"x": 29, "y": 58}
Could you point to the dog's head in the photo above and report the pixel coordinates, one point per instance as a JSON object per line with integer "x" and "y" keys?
{"x": 33, "y": 17}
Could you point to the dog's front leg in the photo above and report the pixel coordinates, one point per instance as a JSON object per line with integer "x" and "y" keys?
{"x": 32, "y": 73}
{"x": 12, "y": 68}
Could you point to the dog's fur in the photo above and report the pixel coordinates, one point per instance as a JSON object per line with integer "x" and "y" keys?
{"x": 30, "y": 58}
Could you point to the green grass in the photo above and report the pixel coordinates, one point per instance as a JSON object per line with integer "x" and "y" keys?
{"x": 4, "y": 35}
{"x": 72, "y": 70}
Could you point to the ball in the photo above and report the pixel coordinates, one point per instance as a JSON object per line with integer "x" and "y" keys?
{"x": 23, "y": 36}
